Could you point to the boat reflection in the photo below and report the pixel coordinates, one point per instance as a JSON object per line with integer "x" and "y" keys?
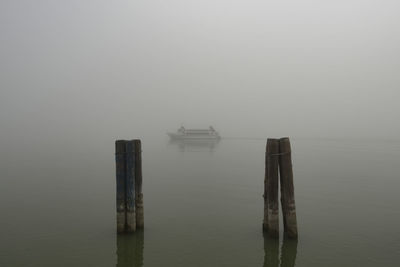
{"x": 194, "y": 145}
{"x": 130, "y": 249}
{"x": 287, "y": 256}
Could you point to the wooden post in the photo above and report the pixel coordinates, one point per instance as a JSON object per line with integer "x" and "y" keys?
{"x": 287, "y": 188}
{"x": 120, "y": 162}
{"x": 271, "y": 196}
{"x": 265, "y": 195}
{"x": 138, "y": 185}
{"x": 130, "y": 187}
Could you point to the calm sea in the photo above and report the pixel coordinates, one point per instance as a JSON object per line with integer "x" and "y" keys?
{"x": 203, "y": 205}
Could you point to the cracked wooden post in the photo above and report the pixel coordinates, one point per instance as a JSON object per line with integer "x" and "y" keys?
{"x": 120, "y": 162}
{"x": 287, "y": 188}
{"x": 271, "y": 193}
{"x": 130, "y": 186}
{"x": 138, "y": 185}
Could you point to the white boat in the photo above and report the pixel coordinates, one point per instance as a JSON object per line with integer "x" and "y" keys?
{"x": 184, "y": 133}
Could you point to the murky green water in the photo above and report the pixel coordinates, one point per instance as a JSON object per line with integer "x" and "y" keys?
{"x": 203, "y": 206}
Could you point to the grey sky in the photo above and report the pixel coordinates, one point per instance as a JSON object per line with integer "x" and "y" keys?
{"x": 75, "y": 70}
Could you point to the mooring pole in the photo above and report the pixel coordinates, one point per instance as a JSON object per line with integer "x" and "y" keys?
{"x": 120, "y": 162}
{"x": 138, "y": 185}
{"x": 287, "y": 188}
{"x": 130, "y": 186}
{"x": 265, "y": 195}
{"x": 272, "y": 182}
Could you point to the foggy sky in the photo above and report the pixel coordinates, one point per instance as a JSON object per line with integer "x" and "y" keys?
{"x": 73, "y": 71}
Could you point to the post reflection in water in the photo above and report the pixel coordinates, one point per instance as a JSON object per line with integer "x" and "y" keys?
{"x": 288, "y": 252}
{"x": 287, "y": 256}
{"x": 130, "y": 249}
{"x": 271, "y": 250}
{"x": 195, "y": 144}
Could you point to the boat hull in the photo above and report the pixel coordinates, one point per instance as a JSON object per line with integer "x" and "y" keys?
{"x": 193, "y": 136}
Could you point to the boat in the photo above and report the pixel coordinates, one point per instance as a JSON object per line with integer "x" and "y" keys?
{"x": 183, "y": 133}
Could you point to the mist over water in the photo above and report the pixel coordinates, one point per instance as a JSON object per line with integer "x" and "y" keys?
{"x": 77, "y": 75}
{"x": 203, "y": 207}
{"x": 130, "y": 68}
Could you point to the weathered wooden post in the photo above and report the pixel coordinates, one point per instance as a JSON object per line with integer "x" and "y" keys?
{"x": 287, "y": 188}
{"x": 265, "y": 195}
{"x": 130, "y": 186}
{"x": 271, "y": 215}
{"x": 120, "y": 162}
{"x": 138, "y": 185}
